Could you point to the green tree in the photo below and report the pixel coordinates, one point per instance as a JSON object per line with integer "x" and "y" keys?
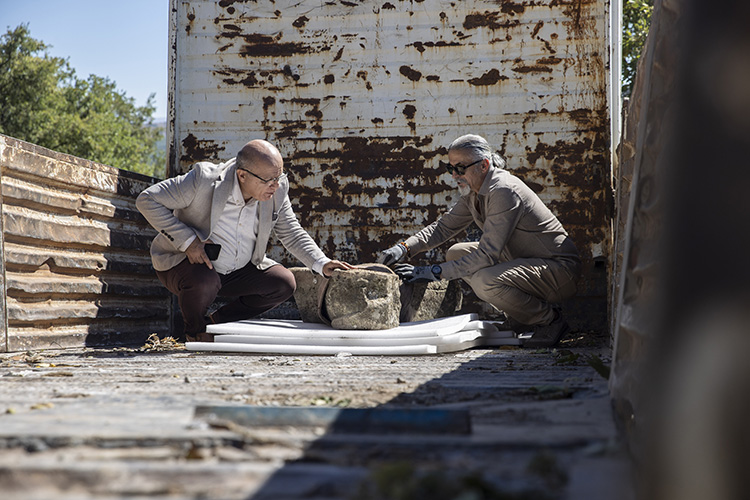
{"x": 43, "y": 101}
{"x": 636, "y": 20}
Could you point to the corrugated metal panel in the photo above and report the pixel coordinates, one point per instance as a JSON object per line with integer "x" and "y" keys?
{"x": 363, "y": 97}
{"x": 75, "y": 252}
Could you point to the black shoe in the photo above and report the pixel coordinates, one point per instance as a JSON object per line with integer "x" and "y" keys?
{"x": 517, "y": 327}
{"x": 548, "y": 335}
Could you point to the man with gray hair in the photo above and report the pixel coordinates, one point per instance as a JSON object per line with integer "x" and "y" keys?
{"x": 524, "y": 264}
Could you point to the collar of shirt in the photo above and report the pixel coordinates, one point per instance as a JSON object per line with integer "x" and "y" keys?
{"x": 236, "y": 196}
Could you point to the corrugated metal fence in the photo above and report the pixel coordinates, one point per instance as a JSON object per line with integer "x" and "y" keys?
{"x": 362, "y": 98}
{"x": 75, "y": 263}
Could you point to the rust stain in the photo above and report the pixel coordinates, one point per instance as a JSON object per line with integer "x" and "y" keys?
{"x": 196, "y": 150}
{"x": 536, "y": 29}
{"x": 251, "y": 38}
{"x": 590, "y": 119}
{"x": 238, "y": 77}
{"x": 287, "y": 72}
{"x": 409, "y": 111}
{"x": 487, "y": 19}
{"x": 492, "y": 77}
{"x": 300, "y": 22}
{"x": 338, "y": 54}
{"x": 420, "y": 46}
{"x": 286, "y": 49}
{"x": 512, "y": 8}
{"x": 571, "y": 153}
{"x": 536, "y": 68}
{"x": 410, "y": 73}
{"x": 289, "y": 128}
{"x": 329, "y": 79}
{"x": 388, "y": 5}
{"x": 189, "y": 25}
{"x": 549, "y": 60}
{"x": 581, "y": 22}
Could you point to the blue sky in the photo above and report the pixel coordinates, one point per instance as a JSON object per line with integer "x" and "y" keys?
{"x": 124, "y": 40}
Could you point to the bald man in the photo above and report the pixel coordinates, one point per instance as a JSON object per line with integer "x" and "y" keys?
{"x": 236, "y": 205}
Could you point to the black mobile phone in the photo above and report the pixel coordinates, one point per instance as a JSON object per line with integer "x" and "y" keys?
{"x": 212, "y": 250}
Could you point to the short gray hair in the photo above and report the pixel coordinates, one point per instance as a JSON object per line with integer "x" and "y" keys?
{"x": 478, "y": 147}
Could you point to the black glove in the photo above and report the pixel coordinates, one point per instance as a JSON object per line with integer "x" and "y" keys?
{"x": 414, "y": 274}
{"x": 393, "y": 255}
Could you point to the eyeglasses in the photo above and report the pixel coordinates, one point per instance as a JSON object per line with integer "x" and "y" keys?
{"x": 458, "y": 169}
{"x": 266, "y": 181}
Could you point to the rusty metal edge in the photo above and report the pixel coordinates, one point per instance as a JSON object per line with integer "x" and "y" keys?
{"x": 3, "y": 306}
{"x": 172, "y": 146}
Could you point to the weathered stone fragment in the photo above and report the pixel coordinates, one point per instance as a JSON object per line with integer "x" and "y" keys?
{"x": 363, "y": 299}
{"x": 306, "y": 294}
{"x": 436, "y": 299}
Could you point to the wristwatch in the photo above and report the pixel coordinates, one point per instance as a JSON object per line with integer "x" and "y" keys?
{"x": 436, "y": 270}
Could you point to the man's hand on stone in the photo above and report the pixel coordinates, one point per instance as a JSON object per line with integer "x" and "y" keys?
{"x": 197, "y": 255}
{"x": 393, "y": 255}
{"x": 413, "y": 274}
{"x": 333, "y": 265}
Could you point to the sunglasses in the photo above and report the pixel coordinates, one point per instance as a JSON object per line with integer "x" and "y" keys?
{"x": 458, "y": 169}
{"x": 266, "y": 181}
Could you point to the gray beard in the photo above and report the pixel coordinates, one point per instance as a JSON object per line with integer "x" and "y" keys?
{"x": 464, "y": 189}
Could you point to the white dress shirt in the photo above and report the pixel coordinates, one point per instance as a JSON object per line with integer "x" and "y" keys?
{"x": 236, "y": 232}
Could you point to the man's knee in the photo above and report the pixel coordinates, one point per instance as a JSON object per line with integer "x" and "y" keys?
{"x": 202, "y": 294}
{"x": 490, "y": 290}
{"x": 285, "y": 283}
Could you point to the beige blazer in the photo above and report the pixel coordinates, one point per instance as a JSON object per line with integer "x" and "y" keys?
{"x": 190, "y": 205}
{"x": 515, "y": 224}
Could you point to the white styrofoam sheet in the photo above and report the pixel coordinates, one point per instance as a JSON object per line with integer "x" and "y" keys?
{"x": 266, "y": 336}
{"x": 302, "y": 350}
{"x": 453, "y": 338}
{"x": 427, "y": 328}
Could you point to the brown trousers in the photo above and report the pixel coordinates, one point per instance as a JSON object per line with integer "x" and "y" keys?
{"x": 196, "y": 287}
{"x": 524, "y": 289}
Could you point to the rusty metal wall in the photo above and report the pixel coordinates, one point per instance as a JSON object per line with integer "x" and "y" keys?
{"x": 363, "y": 97}
{"x": 76, "y": 269}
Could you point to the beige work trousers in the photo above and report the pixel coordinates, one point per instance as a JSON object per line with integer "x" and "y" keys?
{"x": 524, "y": 289}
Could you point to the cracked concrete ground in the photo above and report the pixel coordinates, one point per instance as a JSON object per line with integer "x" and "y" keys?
{"x": 114, "y": 423}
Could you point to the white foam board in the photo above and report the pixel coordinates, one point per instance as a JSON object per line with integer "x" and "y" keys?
{"x": 301, "y": 350}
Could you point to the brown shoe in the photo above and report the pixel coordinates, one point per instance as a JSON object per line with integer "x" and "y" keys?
{"x": 200, "y": 337}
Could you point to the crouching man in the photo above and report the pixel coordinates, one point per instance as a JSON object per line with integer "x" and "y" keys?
{"x": 524, "y": 263}
{"x": 236, "y": 205}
